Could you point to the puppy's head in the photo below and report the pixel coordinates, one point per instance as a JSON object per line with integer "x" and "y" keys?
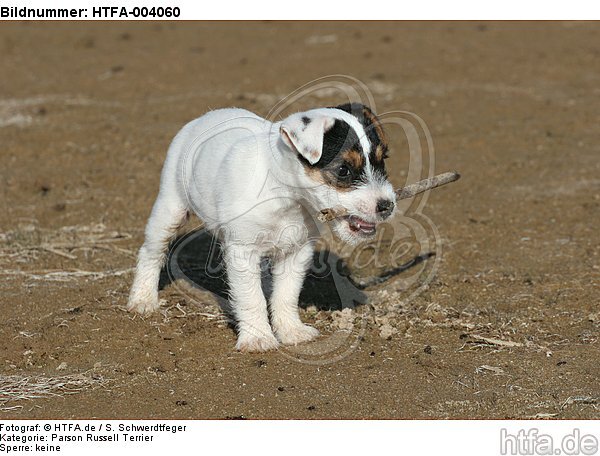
{"x": 341, "y": 152}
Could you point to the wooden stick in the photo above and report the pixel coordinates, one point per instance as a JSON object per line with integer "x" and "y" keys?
{"x": 426, "y": 184}
{"x": 327, "y": 215}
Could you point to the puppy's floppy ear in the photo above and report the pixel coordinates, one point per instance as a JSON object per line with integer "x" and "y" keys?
{"x": 304, "y": 133}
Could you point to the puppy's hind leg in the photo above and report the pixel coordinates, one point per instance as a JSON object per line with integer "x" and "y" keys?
{"x": 168, "y": 214}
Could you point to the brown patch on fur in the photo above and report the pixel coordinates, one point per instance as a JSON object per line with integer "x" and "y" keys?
{"x": 315, "y": 174}
{"x": 327, "y": 176}
{"x": 332, "y": 181}
{"x": 379, "y": 152}
{"x": 355, "y": 158}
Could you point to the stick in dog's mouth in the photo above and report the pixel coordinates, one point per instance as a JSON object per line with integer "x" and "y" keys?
{"x": 327, "y": 215}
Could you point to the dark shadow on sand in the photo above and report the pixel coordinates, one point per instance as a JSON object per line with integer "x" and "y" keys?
{"x": 196, "y": 258}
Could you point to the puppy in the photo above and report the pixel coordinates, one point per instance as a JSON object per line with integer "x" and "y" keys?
{"x": 257, "y": 184}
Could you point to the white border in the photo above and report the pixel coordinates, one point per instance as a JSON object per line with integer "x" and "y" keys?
{"x": 350, "y": 9}
{"x": 347, "y": 438}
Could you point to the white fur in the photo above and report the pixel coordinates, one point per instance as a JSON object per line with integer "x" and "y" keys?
{"x": 240, "y": 174}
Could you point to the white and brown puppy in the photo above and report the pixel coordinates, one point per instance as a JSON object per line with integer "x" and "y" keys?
{"x": 256, "y": 184}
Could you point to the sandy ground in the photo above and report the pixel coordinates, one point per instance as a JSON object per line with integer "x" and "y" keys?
{"x": 507, "y": 328}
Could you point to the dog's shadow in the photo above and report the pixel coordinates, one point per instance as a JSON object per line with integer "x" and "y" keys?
{"x": 196, "y": 258}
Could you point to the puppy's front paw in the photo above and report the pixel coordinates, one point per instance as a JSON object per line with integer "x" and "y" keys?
{"x": 250, "y": 343}
{"x": 142, "y": 306}
{"x": 293, "y": 334}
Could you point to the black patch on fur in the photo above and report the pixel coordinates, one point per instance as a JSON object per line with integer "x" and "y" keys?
{"x": 365, "y": 116}
{"x": 338, "y": 139}
{"x": 341, "y": 138}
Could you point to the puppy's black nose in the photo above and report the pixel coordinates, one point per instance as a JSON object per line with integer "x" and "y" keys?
{"x": 384, "y": 208}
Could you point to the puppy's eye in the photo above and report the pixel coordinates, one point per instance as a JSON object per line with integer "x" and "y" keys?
{"x": 343, "y": 172}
